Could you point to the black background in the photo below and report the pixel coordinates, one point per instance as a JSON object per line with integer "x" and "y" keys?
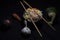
{"x": 8, "y": 7}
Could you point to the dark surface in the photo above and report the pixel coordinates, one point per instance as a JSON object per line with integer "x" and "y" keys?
{"x": 13, "y": 31}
